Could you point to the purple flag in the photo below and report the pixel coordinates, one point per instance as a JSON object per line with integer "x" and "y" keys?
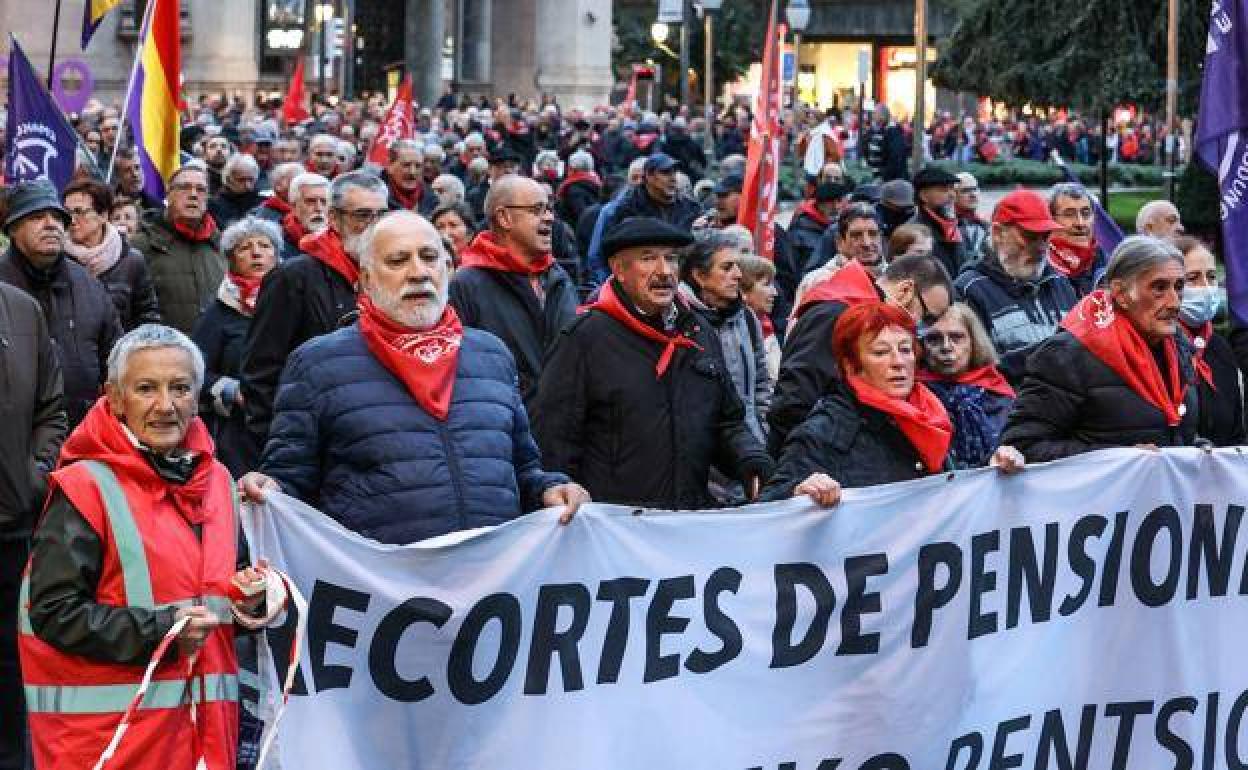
{"x": 1106, "y": 231}
{"x": 1222, "y": 138}
{"x": 41, "y": 143}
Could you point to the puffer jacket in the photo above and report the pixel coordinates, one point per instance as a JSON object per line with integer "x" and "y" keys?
{"x": 349, "y": 439}
{"x": 186, "y": 275}
{"x": 741, "y": 341}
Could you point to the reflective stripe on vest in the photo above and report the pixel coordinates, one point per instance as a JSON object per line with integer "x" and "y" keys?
{"x": 114, "y": 698}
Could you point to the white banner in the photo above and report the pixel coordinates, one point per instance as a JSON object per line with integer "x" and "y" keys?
{"x": 1085, "y": 614}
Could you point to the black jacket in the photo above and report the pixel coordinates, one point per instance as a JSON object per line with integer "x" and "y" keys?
{"x": 575, "y": 198}
{"x": 885, "y": 151}
{"x": 1018, "y": 314}
{"x": 81, "y": 318}
{"x": 31, "y": 411}
{"x": 130, "y": 284}
{"x": 1071, "y": 403}
{"x": 952, "y": 254}
{"x": 300, "y": 299}
{"x": 227, "y": 207}
{"x": 857, "y": 445}
{"x": 504, "y": 304}
{"x": 1221, "y": 406}
{"x": 427, "y": 203}
{"x": 220, "y": 335}
{"x": 807, "y": 250}
{"x": 688, "y": 154}
{"x": 636, "y": 202}
{"x": 602, "y": 416}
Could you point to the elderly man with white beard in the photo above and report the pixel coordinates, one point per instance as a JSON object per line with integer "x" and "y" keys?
{"x": 1014, "y": 289}
{"x": 309, "y": 212}
{"x": 407, "y": 425}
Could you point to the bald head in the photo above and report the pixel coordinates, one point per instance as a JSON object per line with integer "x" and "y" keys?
{"x": 520, "y": 216}
{"x": 1159, "y": 219}
{"x": 405, "y": 269}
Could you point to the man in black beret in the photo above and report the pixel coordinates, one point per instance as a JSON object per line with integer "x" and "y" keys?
{"x": 935, "y": 193}
{"x": 635, "y": 401}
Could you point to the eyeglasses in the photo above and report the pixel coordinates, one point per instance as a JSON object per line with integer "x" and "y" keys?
{"x": 938, "y": 339}
{"x": 363, "y": 217}
{"x": 188, "y": 187}
{"x": 80, "y": 213}
{"x": 539, "y": 209}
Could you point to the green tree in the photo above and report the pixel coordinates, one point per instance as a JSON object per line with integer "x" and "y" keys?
{"x": 740, "y": 27}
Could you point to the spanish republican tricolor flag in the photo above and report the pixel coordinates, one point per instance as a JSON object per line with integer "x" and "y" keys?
{"x": 92, "y": 15}
{"x": 153, "y": 98}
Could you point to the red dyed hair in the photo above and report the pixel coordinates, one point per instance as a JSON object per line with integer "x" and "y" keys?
{"x": 865, "y": 322}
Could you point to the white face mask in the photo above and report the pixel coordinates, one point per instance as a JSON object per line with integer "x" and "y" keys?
{"x": 1200, "y": 304}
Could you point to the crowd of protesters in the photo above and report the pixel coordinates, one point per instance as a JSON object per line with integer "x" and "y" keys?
{"x": 521, "y": 307}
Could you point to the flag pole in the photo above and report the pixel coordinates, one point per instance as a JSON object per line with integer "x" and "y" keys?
{"x": 125, "y": 110}
{"x": 56, "y": 28}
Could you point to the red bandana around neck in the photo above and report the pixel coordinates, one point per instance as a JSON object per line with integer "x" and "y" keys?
{"x": 579, "y": 175}
{"x": 851, "y": 285}
{"x": 1200, "y": 342}
{"x": 987, "y": 377}
{"x": 921, "y": 417}
{"x": 248, "y": 290}
{"x": 293, "y": 229}
{"x": 408, "y": 199}
{"x": 327, "y": 247}
{"x": 424, "y": 361}
{"x": 277, "y": 204}
{"x": 1069, "y": 258}
{"x": 949, "y": 232}
{"x": 610, "y": 304}
{"x": 811, "y": 209}
{"x": 1112, "y": 338}
{"x": 484, "y": 252}
{"x": 967, "y": 213}
{"x": 202, "y": 234}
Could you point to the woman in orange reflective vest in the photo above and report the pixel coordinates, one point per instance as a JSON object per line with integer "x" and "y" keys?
{"x": 140, "y": 530}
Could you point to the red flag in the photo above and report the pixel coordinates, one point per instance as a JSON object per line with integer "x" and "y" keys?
{"x": 397, "y": 125}
{"x": 762, "y": 171}
{"x": 292, "y": 109}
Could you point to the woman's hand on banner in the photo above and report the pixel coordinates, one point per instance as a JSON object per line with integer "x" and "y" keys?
{"x": 824, "y": 490}
{"x": 1007, "y": 460}
{"x": 255, "y": 486}
{"x": 571, "y": 496}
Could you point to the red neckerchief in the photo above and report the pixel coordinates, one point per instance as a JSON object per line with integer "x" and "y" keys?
{"x": 967, "y": 214}
{"x": 769, "y": 326}
{"x": 327, "y": 247}
{"x": 852, "y": 285}
{"x": 1070, "y": 258}
{"x": 579, "y": 175}
{"x": 921, "y": 417}
{"x": 949, "y": 232}
{"x": 277, "y": 204}
{"x": 408, "y": 200}
{"x": 987, "y": 377}
{"x": 293, "y": 229}
{"x": 1115, "y": 341}
{"x": 248, "y": 290}
{"x": 202, "y": 234}
{"x": 610, "y": 304}
{"x": 483, "y": 252}
{"x": 811, "y": 209}
{"x": 1200, "y": 342}
{"x": 424, "y": 361}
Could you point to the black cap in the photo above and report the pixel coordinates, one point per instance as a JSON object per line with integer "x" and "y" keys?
{"x": 867, "y": 193}
{"x": 643, "y": 231}
{"x": 832, "y": 191}
{"x": 931, "y": 176}
{"x": 505, "y": 154}
{"x": 733, "y": 183}
{"x": 31, "y": 198}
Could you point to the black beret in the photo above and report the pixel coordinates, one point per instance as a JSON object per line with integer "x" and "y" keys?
{"x": 930, "y": 176}
{"x": 643, "y": 231}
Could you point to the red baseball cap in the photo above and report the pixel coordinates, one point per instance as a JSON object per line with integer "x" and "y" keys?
{"x": 1027, "y": 210}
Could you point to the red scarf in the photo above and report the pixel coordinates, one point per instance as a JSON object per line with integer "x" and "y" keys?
{"x": 851, "y": 285}
{"x": 811, "y": 209}
{"x": 949, "y": 232}
{"x": 1200, "y": 342}
{"x": 407, "y": 200}
{"x": 248, "y": 290}
{"x": 610, "y": 304}
{"x": 1069, "y": 258}
{"x": 485, "y": 253}
{"x": 202, "y": 234}
{"x": 967, "y": 214}
{"x": 327, "y": 247}
{"x": 921, "y": 417}
{"x": 277, "y": 204}
{"x": 769, "y": 326}
{"x": 987, "y": 377}
{"x": 293, "y": 229}
{"x": 579, "y": 175}
{"x": 1116, "y": 342}
{"x": 424, "y": 361}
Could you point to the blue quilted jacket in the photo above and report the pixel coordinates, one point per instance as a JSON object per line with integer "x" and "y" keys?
{"x": 348, "y": 438}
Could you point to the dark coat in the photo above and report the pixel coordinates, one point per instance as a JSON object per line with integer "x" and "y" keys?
{"x": 973, "y": 444}
{"x": 688, "y": 154}
{"x": 349, "y": 439}
{"x": 504, "y": 305}
{"x": 220, "y": 334}
{"x": 31, "y": 411}
{"x": 1222, "y": 406}
{"x": 857, "y": 445}
{"x": 428, "y": 198}
{"x": 81, "y": 319}
{"x": 575, "y": 198}
{"x": 1018, "y": 314}
{"x": 1071, "y": 403}
{"x": 807, "y": 247}
{"x": 300, "y": 299}
{"x": 885, "y": 151}
{"x": 952, "y": 255}
{"x": 129, "y": 283}
{"x": 227, "y": 207}
{"x": 185, "y": 274}
{"x": 604, "y": 418}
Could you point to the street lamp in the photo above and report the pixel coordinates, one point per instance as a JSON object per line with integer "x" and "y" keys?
{"x": 658, "y": 33}
{"x": 709, "y": 8}
{"x": 797, "y": 13}
{"x": 324, "y": 12}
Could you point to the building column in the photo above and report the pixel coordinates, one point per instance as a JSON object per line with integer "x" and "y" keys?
{"x": 426, "y": 28}
{"x": 576, "y": 69}
{"x": 475, "y": 45}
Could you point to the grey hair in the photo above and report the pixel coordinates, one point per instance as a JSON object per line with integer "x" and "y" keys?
{"x": 245, "y": 228}
{"x": 475, "y": 139}
{"x": 1138, "y": 254}
{"x": 435, "y": 151}
{"x": 363, "y": 180}
{"x": 322, "y": 139}
{"x": 286, "y": 171}
{"x": 455, "y": 182}
{"x": 366, "y": 240}
{"x": 1068, "y": 190}
{"x": 150, "y": 337}
{"x": 304, "y": 180}
{"x": 1148, "y": 211}
{"x": 546, "y": 156}
{"x": 400, "y": 145}
{"x": 581, "y": 161}
{"x": 241, "y": 161}
{"x": 638, "y": 166}
{"x": 740, "y": 235}
{"x": 478, "y": 165}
